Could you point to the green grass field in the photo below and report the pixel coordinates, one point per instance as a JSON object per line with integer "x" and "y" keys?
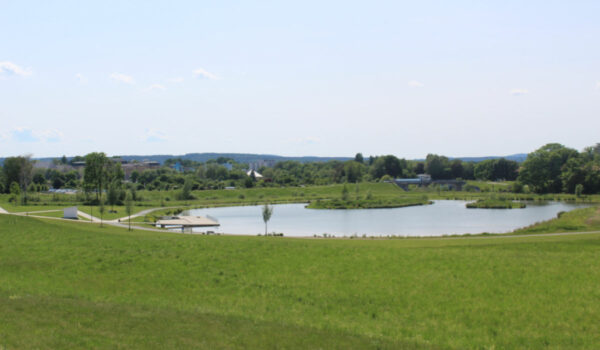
{"x": 76, "y": 285}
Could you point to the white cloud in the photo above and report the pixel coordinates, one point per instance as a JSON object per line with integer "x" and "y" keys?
{"x": 176, "y": 80}
{"x": 598, "y": 85}
{"x": 153, "y": 135}
{"x": 519, "y": 92}
{"x": 203, "y": 74}
{"x": 21, "y": 134}
{"x": 8, "y": 68}
{"x": 416, "y": 84}
{"x": 81, "y": 78}
{"x": 122, "y": 78}
{"x": 156, "y": 87}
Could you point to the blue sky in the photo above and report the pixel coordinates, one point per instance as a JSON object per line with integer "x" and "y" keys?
{"x": 460, "y": 78}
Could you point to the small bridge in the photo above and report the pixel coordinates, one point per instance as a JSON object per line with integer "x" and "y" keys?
{"x": 425, "y": 180}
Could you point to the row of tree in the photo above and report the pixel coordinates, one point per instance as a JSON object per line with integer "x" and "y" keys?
{"x": 555, "y": 168}
{"x": 552, "y": 168}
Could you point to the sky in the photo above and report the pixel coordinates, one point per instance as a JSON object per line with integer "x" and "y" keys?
{"x": 323, "y": 78}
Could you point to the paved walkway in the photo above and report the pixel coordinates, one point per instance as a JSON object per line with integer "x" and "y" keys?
{"x": 2, "y": 211}
{"x": 141, "y": 213}
{"x": 88, "y": 216}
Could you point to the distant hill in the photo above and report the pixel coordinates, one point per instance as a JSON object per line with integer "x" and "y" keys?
{"x": 203, "y": 157}
{"x": 519, "y": 157}
{"x": 250, "y": 157}
{"x": 238, "y": 157}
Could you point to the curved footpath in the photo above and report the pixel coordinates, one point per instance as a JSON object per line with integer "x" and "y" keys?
{"x": 141, "y": 213}
{"x": 115, "y": 222}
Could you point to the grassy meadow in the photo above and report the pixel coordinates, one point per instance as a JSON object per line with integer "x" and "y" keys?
{"x": 75, "y": 285}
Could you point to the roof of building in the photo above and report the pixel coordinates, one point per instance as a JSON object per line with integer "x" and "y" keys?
{"x": 409, "y": 181}
{"x": 256, "y": 174}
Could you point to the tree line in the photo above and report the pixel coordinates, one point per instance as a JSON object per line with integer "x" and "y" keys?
{"x": 553, "y": 168}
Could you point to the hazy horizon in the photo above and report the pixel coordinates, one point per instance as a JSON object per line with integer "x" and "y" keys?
{"x": 330, "y": 79}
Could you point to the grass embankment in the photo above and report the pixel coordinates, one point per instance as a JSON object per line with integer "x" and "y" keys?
{"x": 495, "y": 204}
{"x": 368, "y": 203}
{"x": 586, "y": 219}
{"x": 52, "y": 214}
{"x": 74, "y": 285}
{"x": 110, "y": 213}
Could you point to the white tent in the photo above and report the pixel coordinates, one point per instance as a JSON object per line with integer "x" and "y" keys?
{"x": 256, "y": 174}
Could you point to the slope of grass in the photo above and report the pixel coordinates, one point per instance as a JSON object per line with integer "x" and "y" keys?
{"x": 586, "y": 219}
{"x": 75, "y": 285}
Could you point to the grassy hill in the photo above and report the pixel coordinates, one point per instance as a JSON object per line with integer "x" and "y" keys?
{"x": 75, "y": 285}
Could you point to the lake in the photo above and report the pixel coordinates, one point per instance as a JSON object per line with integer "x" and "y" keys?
{"x": 444, "y": 217}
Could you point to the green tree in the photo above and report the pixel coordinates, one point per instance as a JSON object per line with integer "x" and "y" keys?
{"x": 542, "y": 169}
{"x": 19, "y": 170}
{"x": 579, "y": 190}
{"x": 112, "y": 172}
{"x": 388, "y": 165}
{"x": 505, "y": 169}
{"x": 101, "y": 209}
{"x": 573, "y": 173}
{"x": 15, "y": 192}
{"x": 359, "y": 158}
{"x": 484, "y": 170}
{"x": 25, "y": 175}
{"x": 437, "y": 166}
{"x": 134, "y": 176}
{"x": 267, "y": 212}
{"x": 112, "y": 195}
{"x": 248, "y": 183}
{"x": 129, "y": 207}
{"x": 517, "y": 187}
{"x": 345, "y": 193}
{"x": 94, "y": 173}
{"x": 186, "y": 190}
{"x": 456, "y": 168}
{"x": 353, "y": 171}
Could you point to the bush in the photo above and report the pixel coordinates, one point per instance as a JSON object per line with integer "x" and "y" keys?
{"x": 517, "y": 187}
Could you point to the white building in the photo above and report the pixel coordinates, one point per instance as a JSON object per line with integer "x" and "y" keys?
{"x": 70, "y": 213}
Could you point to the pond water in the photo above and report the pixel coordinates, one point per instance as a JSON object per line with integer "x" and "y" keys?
{"x": 444, "y": 217}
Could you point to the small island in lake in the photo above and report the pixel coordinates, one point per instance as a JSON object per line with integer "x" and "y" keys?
{"x": 496, "y": 204}
{"x": 367, "y": 203}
